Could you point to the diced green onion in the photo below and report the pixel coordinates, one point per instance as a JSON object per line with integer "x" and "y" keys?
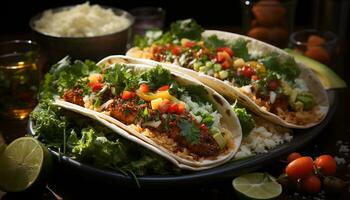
{"x": 217, "y": 67}
{"x": 203, "y": 69}
{"x": 197, "y": 64}
{"x": 209, "y": 64}
{"x": 223, "y": 74}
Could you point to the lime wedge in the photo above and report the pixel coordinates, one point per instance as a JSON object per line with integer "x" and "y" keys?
{"x": 22, "y": 163}
{"x": 257, "y": 186}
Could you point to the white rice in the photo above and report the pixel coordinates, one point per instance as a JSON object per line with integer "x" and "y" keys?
{"x": 81, "y": 21}
{"x": 260, "y": 140}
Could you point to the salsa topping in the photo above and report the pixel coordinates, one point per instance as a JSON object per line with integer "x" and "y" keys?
{"x": 272, "y": 81}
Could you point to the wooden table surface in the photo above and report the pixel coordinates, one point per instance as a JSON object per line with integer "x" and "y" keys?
{"x": 335, "y": 134}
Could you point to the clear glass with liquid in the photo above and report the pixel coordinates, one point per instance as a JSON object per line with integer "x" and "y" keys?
{"x": 19, "y": 78}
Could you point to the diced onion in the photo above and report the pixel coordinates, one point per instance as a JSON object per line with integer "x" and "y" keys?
{"x": 153, "y": 124}
{"x": 105, "y": 105}
{"x": 273, "y": 96}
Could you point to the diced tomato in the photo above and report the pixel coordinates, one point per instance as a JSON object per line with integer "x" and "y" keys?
{"x": 164, "y": 88}
{"x": 190, "y": 44}
{"x": 248, "y": 71}
{"x": 226, "y": 49}
{"x": 255, "y": 78}
{"x": 176, "y": 50}
{"x": 273, "y": 85}
{"x": 173, "y": 108}
{"x": 220, "y": 57}
{"x": 127, "y": 95}
{"x": 95, "y": 86}
{"x": 181, "y": 108}
{"x": 203, "y": 127}
{"x": 144, "y": 88}
{"x": 226, "y": 64}
{"x": 164, "y": 105}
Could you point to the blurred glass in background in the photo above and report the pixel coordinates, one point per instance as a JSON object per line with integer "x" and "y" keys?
{"x": 20, "y": 65}
{"x": 317, "y": 44}
{"x": 333, "y": 15}
{"x": 271, "y": 21}
{"x": 146, "y": 18}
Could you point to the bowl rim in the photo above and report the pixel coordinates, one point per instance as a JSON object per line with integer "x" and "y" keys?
{"x": 37, "y": 16}
{"x": 330, "y": 34}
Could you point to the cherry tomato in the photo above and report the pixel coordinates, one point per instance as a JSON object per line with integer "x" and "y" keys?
{"x": 300, "y": 168}
{"x": 311, "y": 184}
{"x": 248, "y": 71}
{"x": 255, "y": 78}
{"x": 222, "y": 56}
{"x": 144, "y": 88}
{"x": 164, "y": 105}
{"x": 203, "y": 127}
{"x": 164, "y": 88}
{"x": 273, "y": 85}
{"x": 95, "y": 86}
{"x": 173, "y": 108}
{"x": 226, "y": 49}
{"x": 127, "y": 95}
{"x": 326, "y": 164}
{"x": 293, "y": 156}
{"x": 176, "y": 50}
{"x": 181, "y": 108}
{"x": 190, "y": 44}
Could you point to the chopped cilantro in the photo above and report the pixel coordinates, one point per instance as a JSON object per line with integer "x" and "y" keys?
{"x": 213, "y": 42}
{"x": 189, "y": 131}
{"x": 156, "y": 78}
{"x": 240, "y": 49}
{"x": 287, "y": 69}
{"x": 186, "y": 29}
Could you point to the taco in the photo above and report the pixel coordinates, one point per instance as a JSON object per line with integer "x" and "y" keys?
{"x": 264, "y": 78}
{"x": 258, "y": 134}
{"x": 167, "y": 112}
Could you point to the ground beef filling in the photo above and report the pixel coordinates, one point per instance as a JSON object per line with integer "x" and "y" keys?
{"x": 127, "y": 112}
{"x": 75, "y": 96}
{"x": 206, "y": 147}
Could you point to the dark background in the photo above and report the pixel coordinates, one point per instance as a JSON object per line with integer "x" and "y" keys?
{"x": 219, "y": 14}
{"x": 16, "y": 13}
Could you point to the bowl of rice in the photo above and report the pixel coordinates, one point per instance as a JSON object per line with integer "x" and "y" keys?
{"x": 82, "y": 31}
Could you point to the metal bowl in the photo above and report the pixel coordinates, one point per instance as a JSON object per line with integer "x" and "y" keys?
{"x": 93, "y": 48}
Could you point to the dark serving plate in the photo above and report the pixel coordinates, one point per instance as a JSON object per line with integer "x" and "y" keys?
{"x": 300, "y": 138}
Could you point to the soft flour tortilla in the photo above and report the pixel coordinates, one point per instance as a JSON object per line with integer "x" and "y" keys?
{"x": 229, "y": 122}
{"x": 254, "y": 47}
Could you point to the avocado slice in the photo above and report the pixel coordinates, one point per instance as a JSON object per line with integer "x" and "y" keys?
{"x": 328, "y": 78}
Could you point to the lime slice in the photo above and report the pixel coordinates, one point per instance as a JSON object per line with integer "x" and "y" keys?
{"x": 257, "y": 186}
{"x": 22, "y": 163}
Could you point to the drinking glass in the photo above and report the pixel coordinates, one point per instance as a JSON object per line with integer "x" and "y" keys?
{"x": 146, "y": 18}
{"x": 19, "y": 78}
